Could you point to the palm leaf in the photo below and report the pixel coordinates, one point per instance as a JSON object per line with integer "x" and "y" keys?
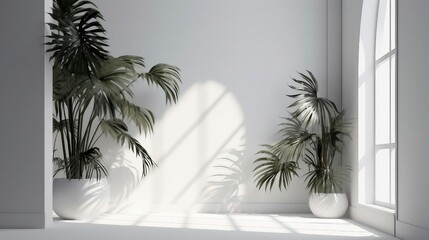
{"x": 92, "y": 89}
{"x": 133, "y": 60}
{"x": 62, "y": 126}
{"x": 167, "y": 77}
{"x": 271, "y": 168}
{"x": 92, "y": 163}
{"x": 87, "y": 162}
{"x": 109, "y": 87}
{"x": 59, "y": 165}
{"x": 77, "y": 37}
{"x": 310, "y": 108}
{"x": 296, "y": 140}
{"x": 119, "y": 131}
{"x": 141, "y": 117}
{"x": 339, "y": 131}
{"x": 313, "y": 134}
{"x": 326, "y": 179}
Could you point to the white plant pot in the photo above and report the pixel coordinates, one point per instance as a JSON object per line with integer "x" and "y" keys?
{"x": 80, "y": 199}
{"x": 328, "y": 205}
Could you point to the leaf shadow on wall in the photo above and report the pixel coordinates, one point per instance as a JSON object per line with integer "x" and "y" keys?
{"x": 223, "y": 186}
{"x": 124, "y": 178}
{"x": 188, "y": 139}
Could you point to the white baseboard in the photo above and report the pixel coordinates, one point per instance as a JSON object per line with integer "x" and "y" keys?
{"x": 408, "y": 231}
{"x": 373, "y": 216}
{"x": 22, "y": 220}
{"x": 257, "y": 208}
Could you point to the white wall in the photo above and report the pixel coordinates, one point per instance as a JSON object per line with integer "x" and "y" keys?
{"x": 413, "y": 119}
{"x": 351, "y": 13}
{"x": 236, "y": 58}
{"x": 25, "y": 104}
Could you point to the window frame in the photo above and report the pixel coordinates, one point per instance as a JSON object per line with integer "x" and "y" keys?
{"x": 392, "y": 144}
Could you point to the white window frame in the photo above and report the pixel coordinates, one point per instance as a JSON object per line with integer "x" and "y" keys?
{"x": 392, "y": 145}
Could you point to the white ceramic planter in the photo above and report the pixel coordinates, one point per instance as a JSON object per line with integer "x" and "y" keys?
{"x": 328, "y": 205}
{"x": 80, "y": 199}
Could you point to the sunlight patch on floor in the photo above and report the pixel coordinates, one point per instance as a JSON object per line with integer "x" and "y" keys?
{"x": 268, "y": 223}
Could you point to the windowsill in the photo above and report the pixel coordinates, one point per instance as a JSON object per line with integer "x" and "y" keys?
{"x": 381, "y": 218}
{"x": 379, "y": 208}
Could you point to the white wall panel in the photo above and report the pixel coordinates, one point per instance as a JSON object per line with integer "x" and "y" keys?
{"x": 26, "y": 116}
{"x": 413, "y": 119}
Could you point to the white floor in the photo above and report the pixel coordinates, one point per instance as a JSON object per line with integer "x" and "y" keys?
{"x": 201, "y": 227}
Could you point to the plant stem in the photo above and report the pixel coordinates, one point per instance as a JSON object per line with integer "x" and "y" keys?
{"x": 63, "y": 139}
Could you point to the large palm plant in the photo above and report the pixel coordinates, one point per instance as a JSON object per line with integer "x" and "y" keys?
{"x": 311, "y": 135}
{"x": 92, "y": 91}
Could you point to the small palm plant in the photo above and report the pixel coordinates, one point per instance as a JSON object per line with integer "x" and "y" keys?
{"x": 92, "y": 91}
{"x": 311, "y": 135}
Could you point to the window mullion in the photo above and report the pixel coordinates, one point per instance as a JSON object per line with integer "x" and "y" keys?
{"x": 390, "y": 101}
{"x": 384, "y": 57}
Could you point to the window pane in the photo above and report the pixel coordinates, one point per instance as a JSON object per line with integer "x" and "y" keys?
{"x": 382, "y": 103}
{"x": 393, "y": 99}
{"x": 392, "y": 176}
{"x": 383, "y": 29}
{"x": 382, "y": 176}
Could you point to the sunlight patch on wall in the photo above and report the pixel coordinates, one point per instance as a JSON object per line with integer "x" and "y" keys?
{"x": 198, "y": 145}
{"x": 362, "y": 141}
{"x": 361, "y": 66}
{"x": 366, "y": 63}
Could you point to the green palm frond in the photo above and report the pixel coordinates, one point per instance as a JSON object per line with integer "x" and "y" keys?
{"x": 63, "y": 85}
{"x": 292, "y": 127}
{"x": 63, "y": 125}
{"x": 66, "y": 85}
{"x": 87, "y": 162}
{"x": 57, "y": 126}
{"x": 141, "y": 117}
{"x": 118, "y": 130}
{"x": 59, "y": 165}
{"x": 92, "y": 163}
{"x": 296, "y": 140}
{"x": 271, "y": 168}
{"x": 311, "y": 109}
{"x": 92, "y": 91}
{"x": 116, "y": 68}
{"x": 167, "y": 77}
{"x": 313, "y": 152}
{"x": 77, "y": 40}
{"x": 339, "y": 131}
{"x": 326, "y": 179}
{"x": 309, "y": 85}
{"x": 313, "y": 134}
{"x": 109, "y": 87}
{"x": 133, "y": 60}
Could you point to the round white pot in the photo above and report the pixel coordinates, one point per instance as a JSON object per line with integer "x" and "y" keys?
{"x": 328, "y": 205}
{"x": 80, "y": 199}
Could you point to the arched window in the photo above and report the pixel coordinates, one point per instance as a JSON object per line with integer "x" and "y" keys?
{"x": 385, "y": 105}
